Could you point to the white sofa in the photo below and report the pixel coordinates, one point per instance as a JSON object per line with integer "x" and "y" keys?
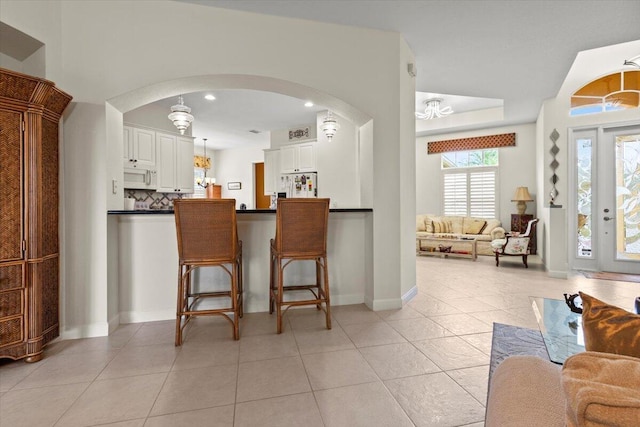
{"x": 483, "y": 230}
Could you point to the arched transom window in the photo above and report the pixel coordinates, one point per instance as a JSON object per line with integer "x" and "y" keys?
{"x": 617, "y": 91}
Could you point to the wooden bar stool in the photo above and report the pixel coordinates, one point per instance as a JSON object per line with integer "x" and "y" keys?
{"x": 301, "y": 235}
{"x": 207, "y": 237}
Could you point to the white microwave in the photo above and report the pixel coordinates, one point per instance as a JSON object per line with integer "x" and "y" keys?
{"x": 140, "y": 179}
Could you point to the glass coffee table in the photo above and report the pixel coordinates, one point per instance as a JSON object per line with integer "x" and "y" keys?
{"x": 561, "y": 329}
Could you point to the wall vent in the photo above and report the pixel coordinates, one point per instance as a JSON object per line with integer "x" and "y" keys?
{"x": 254, "y": 131}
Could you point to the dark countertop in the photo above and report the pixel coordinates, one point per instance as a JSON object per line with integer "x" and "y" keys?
{"x": 245, "y": 211}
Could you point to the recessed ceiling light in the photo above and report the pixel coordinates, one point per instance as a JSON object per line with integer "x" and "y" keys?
{"x": 308, "y": 104}
{"x": 209, "y": 97}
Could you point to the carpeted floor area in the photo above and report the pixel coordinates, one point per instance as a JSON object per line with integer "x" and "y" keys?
{"x": 605, "y": 275}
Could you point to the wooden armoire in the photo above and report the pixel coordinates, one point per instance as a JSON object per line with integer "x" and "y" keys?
{"x": 30, "y": 111}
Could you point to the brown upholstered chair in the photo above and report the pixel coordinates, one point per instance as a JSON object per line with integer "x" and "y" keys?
{"x": 515, "y": 245}
{"x": 301, "y": 234}
{"x": 208, "y": 237}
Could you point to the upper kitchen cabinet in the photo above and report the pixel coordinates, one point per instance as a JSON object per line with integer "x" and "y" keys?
{"x": 271, "y": 171}
{"x": 139, "y": 148}
{"x": 298, "y": 158}
{"x": 175, "y": 163}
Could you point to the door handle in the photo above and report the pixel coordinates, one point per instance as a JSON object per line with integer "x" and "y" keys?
{"x": 609, "y": 218}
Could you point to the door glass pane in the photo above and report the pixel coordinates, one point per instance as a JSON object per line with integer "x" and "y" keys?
{"x": 628, "y": 197}
{"x": 583, "y": 208}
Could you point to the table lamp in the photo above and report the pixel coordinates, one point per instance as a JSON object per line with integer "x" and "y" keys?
{"x": 522, "y": 196}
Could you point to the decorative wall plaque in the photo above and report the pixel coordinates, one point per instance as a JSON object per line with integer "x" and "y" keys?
{"x": 299, "y": 133}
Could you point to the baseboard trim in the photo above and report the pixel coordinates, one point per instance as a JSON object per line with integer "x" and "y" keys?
{"x": 100, "y": 329}
{"x": 558, "y": 274}
{"x": 385, "y": 304}
{"x": 146, "y": 316}
{"x": 114, "y": 322}
{"x": 409, "y": 295}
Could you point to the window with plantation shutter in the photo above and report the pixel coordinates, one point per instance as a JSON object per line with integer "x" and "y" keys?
{"x": 455, "y": 194}
{"x": 482, "y": 194}
{"x": 470, "y": 192}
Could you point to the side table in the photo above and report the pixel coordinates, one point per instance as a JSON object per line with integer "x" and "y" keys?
{"x": 519, "y": 224}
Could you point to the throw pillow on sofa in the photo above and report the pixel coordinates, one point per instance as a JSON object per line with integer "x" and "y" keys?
{"x": 473, "y": 226}
{"x": 609, "y": 329}
{"x": 441, "y": 226}
{"x": 420, "y": 223}
{"x": 491, "y": 224}
{"x": 601, "y": 390}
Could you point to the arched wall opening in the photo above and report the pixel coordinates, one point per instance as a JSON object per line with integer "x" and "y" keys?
{"x": 121, "y": 104}
{"x": 114, "y": 111}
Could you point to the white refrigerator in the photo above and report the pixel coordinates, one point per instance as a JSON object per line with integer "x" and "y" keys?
{"x": 303, "y": 185}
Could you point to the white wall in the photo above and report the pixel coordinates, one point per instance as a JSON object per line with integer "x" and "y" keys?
{"x": 337, "y": 161}
{"x": 237, "y": 165}
{"x": 10, "y": 63}
{"x": 280, "y": 137}
{"x": 406, "y": 116}
{"x": 517, "y": 169}
{"x": 83, "y": 214}
{"x": 124, "y": 55}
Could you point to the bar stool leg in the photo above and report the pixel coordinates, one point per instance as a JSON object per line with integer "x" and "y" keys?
{"x": 234, "y": 301}
{"x": 280, "y": 296}
{"x": 327, "y": 297}
{"x": 318, "y": 285}
{"x": 271, "y": 282}
{"x": 179, "y": 308}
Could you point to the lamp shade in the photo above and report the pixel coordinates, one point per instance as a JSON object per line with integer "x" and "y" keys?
{"x": 522, "y": 195}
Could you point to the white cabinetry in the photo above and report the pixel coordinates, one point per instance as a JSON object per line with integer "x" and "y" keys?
{"x": 271, "y": 171}
{"x": 175, "y": 163}
{"x": 298, "y": 158}
{"x": 139, "y": 148}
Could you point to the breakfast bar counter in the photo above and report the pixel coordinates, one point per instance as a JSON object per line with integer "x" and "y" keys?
{"x": 143, "y": 264}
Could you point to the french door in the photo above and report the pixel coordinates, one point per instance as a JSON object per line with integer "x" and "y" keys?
{"x": 608, "y": 199}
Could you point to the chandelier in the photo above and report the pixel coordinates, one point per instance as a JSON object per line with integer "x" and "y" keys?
{"x": 207, "y": 181}
{"x": 329, "y": 125}
{"x": 180, "y": 116}
{"x": 433, "y": 110}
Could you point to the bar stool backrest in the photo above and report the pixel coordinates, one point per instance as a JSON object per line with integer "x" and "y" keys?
{"x": 301, "y": 227}
{"x": 206, "y": 229}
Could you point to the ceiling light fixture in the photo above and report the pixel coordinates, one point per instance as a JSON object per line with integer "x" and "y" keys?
{"x": 634, "y": 62}
{"x": 209, "y": 97}
{"x": 329, "y": 125}
{"x": 308, "y": 104}
{"x": 180, "y": 116}
{"x": 433, "y": 110}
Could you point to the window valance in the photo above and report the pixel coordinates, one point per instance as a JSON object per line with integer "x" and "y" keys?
{"x": 474, "y": 143}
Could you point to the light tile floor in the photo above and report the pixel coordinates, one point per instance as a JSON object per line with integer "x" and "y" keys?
{"x": 424, "y": 365}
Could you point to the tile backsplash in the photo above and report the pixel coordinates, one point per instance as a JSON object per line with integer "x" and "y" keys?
{"x": 152, "y": 199}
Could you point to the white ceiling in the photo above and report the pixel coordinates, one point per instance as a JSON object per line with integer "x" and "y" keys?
{"x": 227, "y": 120}
{"x": 518, "y": 52}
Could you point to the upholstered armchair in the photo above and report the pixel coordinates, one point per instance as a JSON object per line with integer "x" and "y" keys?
{"x": 515, "y": 245}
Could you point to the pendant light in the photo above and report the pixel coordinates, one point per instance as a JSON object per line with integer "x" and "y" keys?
{"x": 329, "y": 125}
{"x": 180, "y": 116}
